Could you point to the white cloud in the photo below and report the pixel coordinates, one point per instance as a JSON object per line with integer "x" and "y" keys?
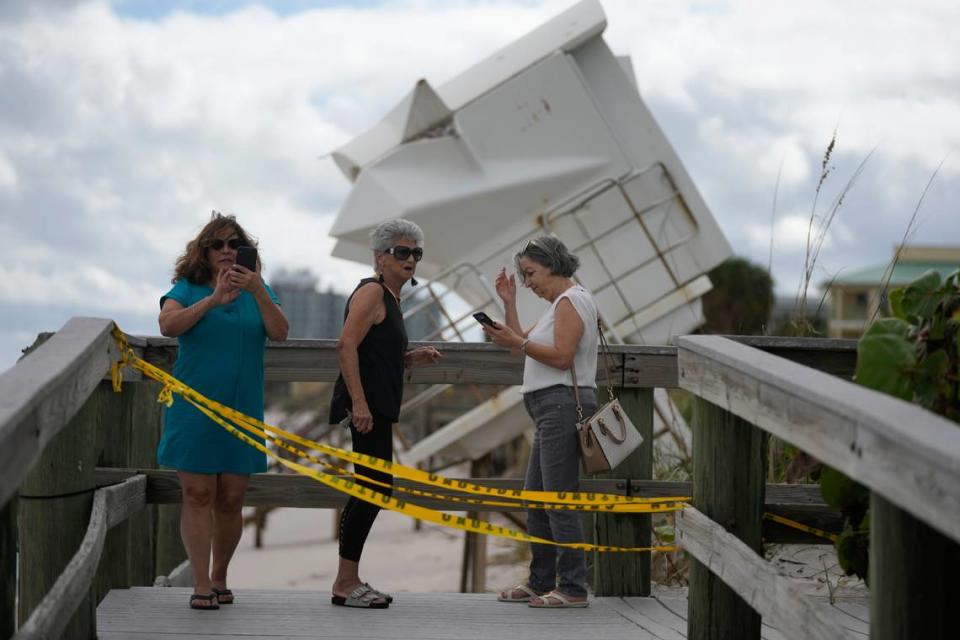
{"x": 764, "y": 155}
{"x": 9, "y": 180}
{"x": 87, "y": 286}
{"x": 793, "y": 233}
{"x": 883, "y": 71}
{"x": 789, "y": 234}
{"x": 118, "y": 135}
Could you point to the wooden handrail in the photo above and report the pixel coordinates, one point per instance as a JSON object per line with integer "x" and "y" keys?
{"x": 484, "y": 363}
{"x": 774, "y": 596}
{"x": 462, "y": 363}
{"x": 42, "y": 392}
{"x": 798, "y": 502}
{"x": 111, "y": 505}
{"x": 290, "y": 490}
{"x": 897, "y": 449}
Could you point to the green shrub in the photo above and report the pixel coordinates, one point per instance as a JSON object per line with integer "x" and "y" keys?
{"x": 913, "y": 356}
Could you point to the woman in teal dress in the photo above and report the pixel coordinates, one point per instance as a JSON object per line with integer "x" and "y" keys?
{"x": 221, "y": 314}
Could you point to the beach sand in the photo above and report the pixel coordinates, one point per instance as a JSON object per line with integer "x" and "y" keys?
{"x": 299, "y": 552}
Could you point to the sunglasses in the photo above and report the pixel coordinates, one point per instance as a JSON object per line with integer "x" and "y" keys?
{"x": 402, "y": 253}
{"x": 534, "y": 243}
{"x": 217, "y": 243}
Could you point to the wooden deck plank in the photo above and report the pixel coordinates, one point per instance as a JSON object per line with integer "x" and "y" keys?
{"x": 855, "y": 615}
{"x": 856, "y": 609}
{"x": 678, "y": 607}
{"x": 667, "y": 624}
{"x": 149, "y": 612}
{"x": 156, "y": 613}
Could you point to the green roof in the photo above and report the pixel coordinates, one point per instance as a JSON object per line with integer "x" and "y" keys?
{"x": 903, "y": 273}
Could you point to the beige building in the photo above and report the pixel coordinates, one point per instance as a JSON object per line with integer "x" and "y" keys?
{"x": 855, "y": 297}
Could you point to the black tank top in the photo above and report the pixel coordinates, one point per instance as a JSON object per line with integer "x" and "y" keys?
{"x": 381, "y": 363}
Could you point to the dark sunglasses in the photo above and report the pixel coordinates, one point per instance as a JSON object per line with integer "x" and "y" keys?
{"x": 217, "y": 243}
{"x": 402, "y": 253}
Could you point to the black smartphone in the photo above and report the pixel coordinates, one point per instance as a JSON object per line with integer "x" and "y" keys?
{"x": 247, "y": 257}
{"x": 483, "y": 318}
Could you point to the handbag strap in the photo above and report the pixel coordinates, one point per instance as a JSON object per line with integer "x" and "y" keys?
{"x": 576, "y": 391}
{"x": 605, "y": 350}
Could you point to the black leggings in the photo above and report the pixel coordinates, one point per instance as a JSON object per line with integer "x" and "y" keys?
{"x": 358, "y": 516}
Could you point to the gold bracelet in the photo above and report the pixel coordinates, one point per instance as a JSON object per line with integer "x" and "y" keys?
{"x": 523, "y": 346}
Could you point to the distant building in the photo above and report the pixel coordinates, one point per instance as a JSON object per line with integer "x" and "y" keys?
{"x": 311, "y": 313}
{"x": 856, "y": 299}
{"x": 314, "y": 314}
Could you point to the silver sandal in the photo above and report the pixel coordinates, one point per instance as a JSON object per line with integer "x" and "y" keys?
{"x": 363, "y": 597}
{"x": 386, "y": 596}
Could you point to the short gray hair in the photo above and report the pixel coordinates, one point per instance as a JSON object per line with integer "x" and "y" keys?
{"x": 389, "y": 231}
{"x": 549, "y": 252}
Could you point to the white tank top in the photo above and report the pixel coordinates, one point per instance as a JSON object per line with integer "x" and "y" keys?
{"x": 537, "y": 375}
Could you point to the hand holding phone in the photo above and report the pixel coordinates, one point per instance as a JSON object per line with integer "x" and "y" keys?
{"x": 247, "y": 278}
{"x": 483, "y": 318}
{"x": 247, "y": 257}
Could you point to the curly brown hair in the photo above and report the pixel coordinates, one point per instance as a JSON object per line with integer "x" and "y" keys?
{"x": 193, "y": 264}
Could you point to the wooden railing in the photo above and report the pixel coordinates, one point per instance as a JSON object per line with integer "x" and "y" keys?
{"x": 907, "y": 457}
{"x": 111, "y": 506}
{"x": 59, "y": 419}
{"x": 42, "y": 393}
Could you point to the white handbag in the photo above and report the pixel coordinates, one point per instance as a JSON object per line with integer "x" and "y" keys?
{"x": 608, "y": 436}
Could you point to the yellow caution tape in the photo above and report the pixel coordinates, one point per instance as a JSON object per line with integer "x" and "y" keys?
{"x": 832, "y": 537}
{"x": 640, "y": 507}
{"x": 408, "y": 473}
{"x": 474, "y": 525}
{"x": 580, "y": 501}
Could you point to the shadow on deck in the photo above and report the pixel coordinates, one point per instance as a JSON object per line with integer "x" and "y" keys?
{"x": 143, "y": 613}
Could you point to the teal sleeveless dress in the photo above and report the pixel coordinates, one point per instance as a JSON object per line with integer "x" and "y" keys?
{"x": 221, "y": 357}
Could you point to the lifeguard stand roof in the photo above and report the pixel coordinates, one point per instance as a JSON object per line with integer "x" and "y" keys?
{"x": 547, "y": 135}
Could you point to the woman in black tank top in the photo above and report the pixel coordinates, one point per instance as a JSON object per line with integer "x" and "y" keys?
{"x": 373, "y": 355}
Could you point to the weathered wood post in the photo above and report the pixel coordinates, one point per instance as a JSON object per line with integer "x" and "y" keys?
{"x": 473, "y": 576}
{"x": 145, "y": 419}
{"x": 130, "y": 428}
{"x": 114, "y": 431}
{"x": 913, "y": 576}
{"x": 169, "y": 547}
{"x": 622, "y": 574}
{"x": 729, "y": 471}
{"x": 55, "y": 502}
{"x": 8, "y": 568}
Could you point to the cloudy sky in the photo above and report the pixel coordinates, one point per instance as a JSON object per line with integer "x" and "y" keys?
{"x": 122, "y": 124}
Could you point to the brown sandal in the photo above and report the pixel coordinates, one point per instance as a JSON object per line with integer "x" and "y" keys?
{"x": 527, "y": 594}
{"x": 210, "y": 599}
{"x": 224, "y": 596}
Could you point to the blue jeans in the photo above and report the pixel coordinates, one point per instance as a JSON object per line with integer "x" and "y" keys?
{"x": 555, "y": 466}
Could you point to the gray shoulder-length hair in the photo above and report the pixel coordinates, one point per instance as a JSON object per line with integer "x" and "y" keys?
{"x": 389, "y": 231}
{"x": 549, "y": 252}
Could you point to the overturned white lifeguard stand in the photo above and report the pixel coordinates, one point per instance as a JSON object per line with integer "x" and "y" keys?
{"x": 548, "y": 135}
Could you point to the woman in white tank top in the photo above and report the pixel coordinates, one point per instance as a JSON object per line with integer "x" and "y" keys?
{"x": 565, "y": 335}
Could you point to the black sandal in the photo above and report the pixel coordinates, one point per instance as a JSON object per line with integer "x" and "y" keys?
{"x": 210, "y": 599}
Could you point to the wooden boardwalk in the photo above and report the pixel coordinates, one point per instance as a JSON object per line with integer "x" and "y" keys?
{"x": 147, "y": 613}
